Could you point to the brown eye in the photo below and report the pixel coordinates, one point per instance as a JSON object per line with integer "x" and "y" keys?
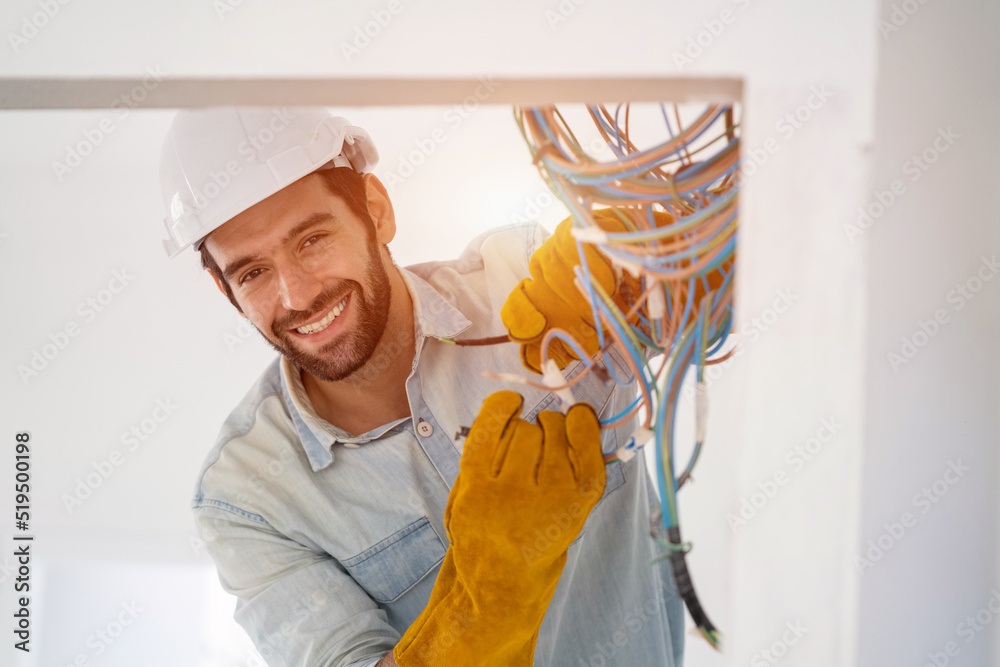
{"x": 249, "y": 275}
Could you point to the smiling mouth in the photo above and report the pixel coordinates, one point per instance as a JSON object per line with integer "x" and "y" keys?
{"x": 316, "y": 327}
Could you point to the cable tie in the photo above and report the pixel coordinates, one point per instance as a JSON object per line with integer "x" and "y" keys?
{"x": 553, "y": 377}
{"x": 657, "y": 303}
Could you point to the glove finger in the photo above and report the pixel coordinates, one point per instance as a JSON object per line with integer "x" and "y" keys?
{"x": 552, "y": 265}
{"x": 531, "y": 357}
{"x": 558, "y": 262}
{"x": 562, "y": 315}
{"x": 608, "y": 220}
{"x": 561, "y": 354}
{"x": 556, "y": 468}
{"x": 583, "y": 436}
{"x": 522, "y": 452}
{"x": 488, "y": 432}
{"x": 581, "y": 331}
{"x": 522, "y": 318}
{"x": 598, "y": 264}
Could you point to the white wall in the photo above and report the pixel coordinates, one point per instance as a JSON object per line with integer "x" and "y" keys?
{"x": 823, "y": 358}
{"x": 938, "y": 72}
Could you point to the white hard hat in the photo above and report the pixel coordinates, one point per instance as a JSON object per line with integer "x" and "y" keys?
{"x": 217, "y": 163}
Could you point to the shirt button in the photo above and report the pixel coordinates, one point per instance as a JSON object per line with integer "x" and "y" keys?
{"x": 424, "y": 428}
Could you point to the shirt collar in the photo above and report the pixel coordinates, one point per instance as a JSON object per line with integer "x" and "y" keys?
{"x": 433, "y": 317}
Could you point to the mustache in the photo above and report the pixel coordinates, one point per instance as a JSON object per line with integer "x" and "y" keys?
{"x": 323, "y": 304}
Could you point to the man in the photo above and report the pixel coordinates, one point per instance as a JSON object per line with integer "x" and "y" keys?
{"x": 341, "y": 503}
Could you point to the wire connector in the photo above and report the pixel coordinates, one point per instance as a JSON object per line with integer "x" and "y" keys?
{"x": 635, "y": 443}
{"x": 589, "y": 234}
{"x": 553, "y": 377}
{"x": 657, "y": 303}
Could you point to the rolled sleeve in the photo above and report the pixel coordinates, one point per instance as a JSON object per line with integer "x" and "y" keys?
{"x": 299, "y": 607}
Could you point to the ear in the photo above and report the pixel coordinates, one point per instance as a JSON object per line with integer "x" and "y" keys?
{"x": 222, "y": 288}
{"x": 218, "y": 282}
{"x": 380, "y": 209}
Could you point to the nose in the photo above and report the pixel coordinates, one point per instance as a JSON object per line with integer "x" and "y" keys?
{"x": 298, "y": 287}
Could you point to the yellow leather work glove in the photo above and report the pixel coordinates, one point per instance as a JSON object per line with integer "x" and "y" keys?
{"x": 517, "y": 481}
{"x": 549, "y": 298}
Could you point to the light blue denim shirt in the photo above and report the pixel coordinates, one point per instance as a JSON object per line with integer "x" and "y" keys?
{"x": 332, "y": 542}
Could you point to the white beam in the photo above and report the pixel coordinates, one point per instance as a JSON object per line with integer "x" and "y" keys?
{"x": 177, "y": 93}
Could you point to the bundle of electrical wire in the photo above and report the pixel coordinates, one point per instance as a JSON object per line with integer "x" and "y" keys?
{"x": 691, "y": 182}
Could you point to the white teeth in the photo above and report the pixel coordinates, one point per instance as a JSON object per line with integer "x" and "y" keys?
{"x": 325, "y": 322}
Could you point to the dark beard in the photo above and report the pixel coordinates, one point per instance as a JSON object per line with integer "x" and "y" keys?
{"x": 350, "y": 351}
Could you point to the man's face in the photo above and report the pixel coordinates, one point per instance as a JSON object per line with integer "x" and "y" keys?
{"x": 309, "y": 275}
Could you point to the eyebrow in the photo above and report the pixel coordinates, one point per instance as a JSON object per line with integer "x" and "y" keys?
{"x": 312, "y": 221}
